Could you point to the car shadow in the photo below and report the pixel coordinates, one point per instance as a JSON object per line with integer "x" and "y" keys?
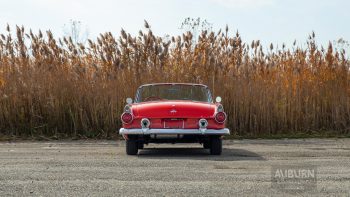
{"x": 228, "y": 154}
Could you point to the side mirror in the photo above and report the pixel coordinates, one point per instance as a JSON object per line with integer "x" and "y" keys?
{"x": 129, "y": 101}
{"x": 218, "y": 99}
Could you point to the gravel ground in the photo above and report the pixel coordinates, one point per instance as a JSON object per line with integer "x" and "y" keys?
{"x": 101, "y": 168}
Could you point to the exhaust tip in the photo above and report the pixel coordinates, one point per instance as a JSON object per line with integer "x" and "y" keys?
{"x": 203, "y": 123}
{"x": 145, "y": 123}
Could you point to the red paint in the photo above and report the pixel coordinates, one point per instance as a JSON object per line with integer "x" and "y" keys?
{"x": 173, "y": 109}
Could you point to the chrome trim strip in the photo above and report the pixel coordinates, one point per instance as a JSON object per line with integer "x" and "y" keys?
{"x": 225, "y": 131}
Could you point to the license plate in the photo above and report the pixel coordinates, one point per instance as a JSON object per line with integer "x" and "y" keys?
{"x": 174, "y": 123}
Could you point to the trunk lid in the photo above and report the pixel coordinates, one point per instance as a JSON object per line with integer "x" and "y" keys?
{"x": 173, "y": 109}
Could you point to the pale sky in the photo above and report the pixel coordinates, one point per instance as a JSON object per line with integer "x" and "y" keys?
{"x": 274, "y": 21}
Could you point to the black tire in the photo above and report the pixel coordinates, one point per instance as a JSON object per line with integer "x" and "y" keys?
{"x": 215, "y": 145}
{"x": 140, "y": 145}
{"x": 206, "y": 145}
{"x": 131, "y": 147}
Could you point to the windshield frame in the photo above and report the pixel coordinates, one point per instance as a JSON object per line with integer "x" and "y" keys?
{"x": 137, "y": 96}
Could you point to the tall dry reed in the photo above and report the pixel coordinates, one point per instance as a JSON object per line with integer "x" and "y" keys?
{"x": 53, "y": 87}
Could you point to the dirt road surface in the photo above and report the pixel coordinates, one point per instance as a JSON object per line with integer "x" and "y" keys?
{"x": 101, "y": 168}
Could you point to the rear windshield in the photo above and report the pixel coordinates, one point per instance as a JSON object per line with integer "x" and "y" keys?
{"x": 173, "y": 92}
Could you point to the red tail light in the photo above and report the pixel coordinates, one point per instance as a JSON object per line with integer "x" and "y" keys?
{"x": 220, "y": 117}
{"x": 127, "y": 117}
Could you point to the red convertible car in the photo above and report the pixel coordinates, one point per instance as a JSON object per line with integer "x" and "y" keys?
{"x": 173, "y": 113}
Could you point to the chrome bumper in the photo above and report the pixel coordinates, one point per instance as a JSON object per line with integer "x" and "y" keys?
{"x": 225, "y": 131}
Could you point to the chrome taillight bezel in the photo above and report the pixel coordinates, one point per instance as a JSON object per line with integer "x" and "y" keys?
{"x": 132, "y": 118}
{"x": 220, "y": 122}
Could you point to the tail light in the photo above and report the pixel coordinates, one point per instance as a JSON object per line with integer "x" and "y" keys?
{"x": 220, "y": 108}
{"x": 127, "y": 118}
{"x": 220, "y": 117}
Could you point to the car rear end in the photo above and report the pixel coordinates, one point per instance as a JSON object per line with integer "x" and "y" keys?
{"x": 174, "y": 121}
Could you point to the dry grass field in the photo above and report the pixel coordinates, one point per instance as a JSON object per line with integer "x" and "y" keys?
{"x": 57, "y": 88}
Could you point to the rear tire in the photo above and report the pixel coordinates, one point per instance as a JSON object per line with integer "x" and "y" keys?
{"x": 140, "y": 145}
{"x": 206, "y": 145}
{"x": 131, "y": 147}
{"x": 215, "y": 145}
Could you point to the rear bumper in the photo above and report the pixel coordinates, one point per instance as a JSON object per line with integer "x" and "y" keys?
{"x": 225, "y": 131}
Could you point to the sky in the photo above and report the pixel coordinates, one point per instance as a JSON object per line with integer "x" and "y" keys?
{"x": 271, "y": 21}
